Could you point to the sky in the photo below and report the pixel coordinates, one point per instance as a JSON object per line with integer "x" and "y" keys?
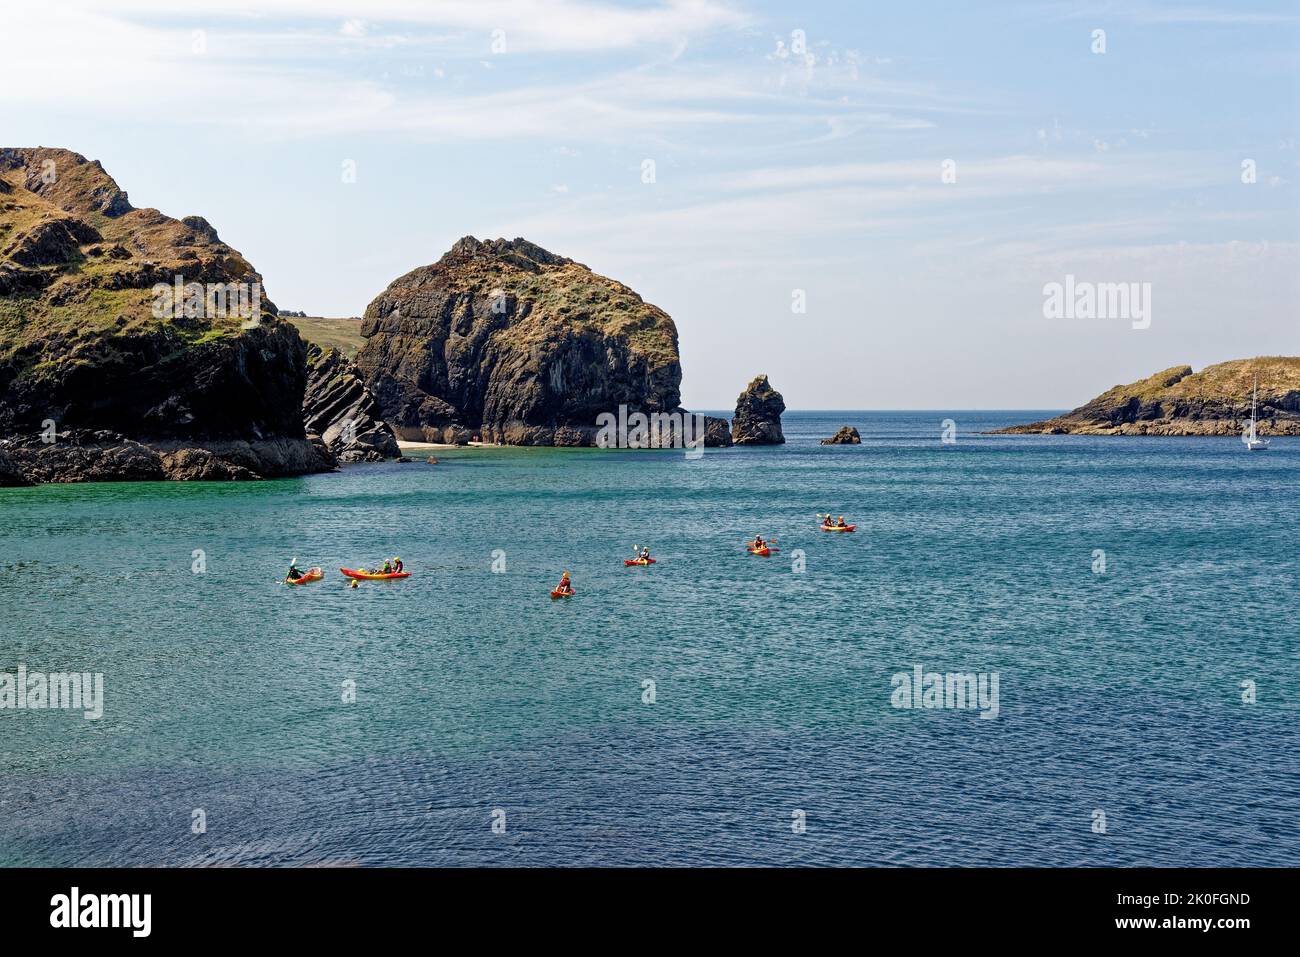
{"x": 863, "y": 201}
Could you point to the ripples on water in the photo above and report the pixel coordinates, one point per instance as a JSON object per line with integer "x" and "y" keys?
{"x": 1118, "y": 692}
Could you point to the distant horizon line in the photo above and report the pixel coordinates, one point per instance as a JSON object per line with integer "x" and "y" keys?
{"x": 938, "y": 409}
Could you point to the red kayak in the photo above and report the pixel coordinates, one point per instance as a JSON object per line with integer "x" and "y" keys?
{"x": 765, "y": 550}
{"x": 838, "y": 528}
{"x": 372, "y": 576}
{"x": 556, "y": 593}
{"x": 639, "y": 561}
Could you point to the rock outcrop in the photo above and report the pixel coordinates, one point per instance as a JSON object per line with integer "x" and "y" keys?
{"x": 1178, "y": 401}
{"x": 104, "y": 456}
{"x": 508, "y": 341}
{"x": 96, "y": 347}
{"x": 10, "y": 475}
{"x": 758, "y": 415}
{"x": 847, "y": 435}
{"x": 717, "y": 432}
{"x": 338, "y": 406}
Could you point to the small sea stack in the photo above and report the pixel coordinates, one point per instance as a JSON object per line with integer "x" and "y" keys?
{"x": 758, "y": 415}
{"x": 847, "y": 435}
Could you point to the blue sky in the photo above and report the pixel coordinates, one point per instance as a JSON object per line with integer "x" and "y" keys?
{"x": 783, "y": 161}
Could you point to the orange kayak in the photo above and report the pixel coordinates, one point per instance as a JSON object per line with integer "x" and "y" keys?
{"x": 765, "y": 550}
{"x": 838, "y": 528}
{"x": 310, "y": 575}
{"x": 368, "y": 576}
{"x": 561, "y": 594}
{"x": 639, "y": 561}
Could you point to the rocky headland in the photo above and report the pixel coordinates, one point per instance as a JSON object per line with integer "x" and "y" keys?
{"x": 1178, "y": 401}
{"x": 104, "y": 374}
{"x": 506, "y": 341}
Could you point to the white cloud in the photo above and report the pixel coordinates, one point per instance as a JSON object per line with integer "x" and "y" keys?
{"x": 1006, "y": 175}
{"x": 555, "y": 25}
{"x": 147, "y": 71}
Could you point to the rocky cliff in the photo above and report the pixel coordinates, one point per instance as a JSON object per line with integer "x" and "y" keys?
{"x": 1178, "y": 401}
{"x": 338, "y": 407}
{"x": 508, "y": 341}
{"x": 758, "y": 415}
{"x": 133, "y": 344}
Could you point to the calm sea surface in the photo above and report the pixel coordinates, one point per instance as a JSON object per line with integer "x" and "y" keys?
{"x": 480, "y": 699}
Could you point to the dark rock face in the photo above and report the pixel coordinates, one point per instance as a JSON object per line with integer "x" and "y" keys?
{"x": 10, "y": 475}
{"x": 338, "y": 406}
{"x": 717, "y": 432}
{"x": 50, "y": 242}
{"x": 847, "y": 435}
{"x": 86, "y": 344}
{"x": 758, "y": 415}
{"x": 505, "y": 340}
{"x": 104, "y": 456}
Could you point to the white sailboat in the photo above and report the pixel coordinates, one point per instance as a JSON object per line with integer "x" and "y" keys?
{"x": 1251, "y": 437}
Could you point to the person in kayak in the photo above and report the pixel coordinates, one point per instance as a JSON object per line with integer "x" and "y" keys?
{"x": 565, "y": 587}
{"x": 758, "y": 543}
{"x": 841, "y": 523}
{"x": 294, "y": 572}
{"x": 397, "y": 564}
{"x": 388, "y": 567}
{"x": 642, "y": 554}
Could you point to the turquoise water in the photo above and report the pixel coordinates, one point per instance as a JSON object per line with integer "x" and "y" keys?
{"x": 1118, "y": 692}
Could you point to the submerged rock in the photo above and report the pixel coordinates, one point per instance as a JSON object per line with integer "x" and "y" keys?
{"x": 508, "y": 341}
{"x": 758, "y": 415}
{"x": 338, "y": 406}
{"x": 847, "y": 435}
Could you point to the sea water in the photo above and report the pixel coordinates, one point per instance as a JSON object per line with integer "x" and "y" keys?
{"x": 1134, "y": 597}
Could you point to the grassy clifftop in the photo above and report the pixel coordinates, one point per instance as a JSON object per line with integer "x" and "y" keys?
{"x": 341, "y": 334}
{"x": 78, "y": 262}
{"x": 542, "y": 290}
{"x": 1179, "y": 401}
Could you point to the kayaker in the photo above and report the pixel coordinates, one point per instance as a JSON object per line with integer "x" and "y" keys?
{"x": 758, "y": 541}
{"x": 294, "y": 572}
{"x": 645, "y": 553}
{"x": 841, "y": 524}
{"x": 397, "y": 564}
{"x": 565, "y": 587}
{"x": 388, "y": 568}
